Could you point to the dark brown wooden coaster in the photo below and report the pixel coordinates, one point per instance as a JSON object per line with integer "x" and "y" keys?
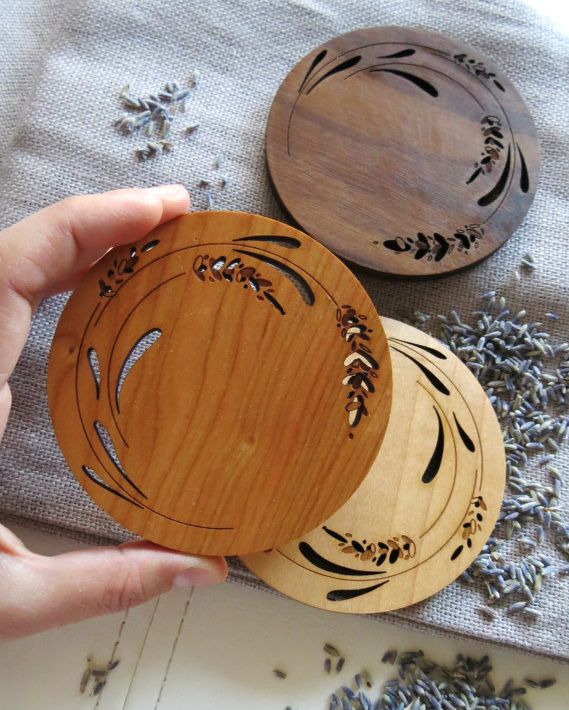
{"x": 428, "y": 505}
{"x": 221, "y": 386}
{"x": 402, "y": 151}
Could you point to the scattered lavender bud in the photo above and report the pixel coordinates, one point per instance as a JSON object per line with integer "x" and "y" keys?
{"x": 391, "y": 655}
{"x": 331, "y": 650}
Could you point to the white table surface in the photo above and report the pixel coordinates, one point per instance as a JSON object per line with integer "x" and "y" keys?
{"x": 216, "y": 648}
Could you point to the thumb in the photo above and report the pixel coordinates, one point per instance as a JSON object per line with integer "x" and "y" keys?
{"x": 38, "y": 593}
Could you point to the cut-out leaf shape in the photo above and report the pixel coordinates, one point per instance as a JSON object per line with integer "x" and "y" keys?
{"x": 99, "y": 482}
{"x": 414, "y": 79}
{"x": 340, "y": 595}
{"x": 273, "y": 301}
{"x": 498, "y": 188}
{"x": 457, "y": 552}
{"x": 310, "y": 554}
{"x": 492, "y": 131}
{"x": 109, "y": 447}
{"x": 434, "y": 464}
{"x": 499, "y": 86}
{"x": 463, "y": 239}
{"x": 394, "y": 555}
{"x": 286, "y": 242}
{"x": 149, "y": 246}
{"x": 399, "y": 55}
{"x": 361, "y": 358}
{"x": 443, "y": 246}
{"x": 397, "y": 244}
{"x": 104, "y": 288}
{"x": 334, "y": 534}
{"x": 433, "y": 379}
{"x": 348, "y": 64}
{"x": 474, "y": 175}
{"x": 524, "y": 177}
{"x": 427, "y": 348}
{"x": 355, "y": 413}
{"x": 136, "y": 352}
{"x": 315, "y": 62}
{"x": 466, "y": 440}
{"x": 93, "y": 360}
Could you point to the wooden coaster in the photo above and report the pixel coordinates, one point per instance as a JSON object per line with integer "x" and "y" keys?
{"x": 403, "y": 151}
{"x": 222, "y": 386}
{"x": 426, "y": 508}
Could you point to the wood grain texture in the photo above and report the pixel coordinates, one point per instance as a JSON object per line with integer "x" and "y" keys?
{"x": 426, "y": 508}
{"x": 222, "y": 386}
{"x": 403, "y": 151}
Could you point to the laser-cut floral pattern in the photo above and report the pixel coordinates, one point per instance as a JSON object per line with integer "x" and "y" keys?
{"x": 361, "y": 366}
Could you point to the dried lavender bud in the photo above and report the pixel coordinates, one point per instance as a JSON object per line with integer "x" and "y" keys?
{"x": 99, "y": 687}
{"x": 85, "y": 677}
{"x": 331, "y": 650}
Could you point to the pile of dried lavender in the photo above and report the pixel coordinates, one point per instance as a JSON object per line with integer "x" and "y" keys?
{"x": 153, "y": 115}
{"x": 423, "y": 684}
{"x": 526, "y": 378}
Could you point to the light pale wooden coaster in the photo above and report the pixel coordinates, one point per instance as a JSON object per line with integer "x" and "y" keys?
{"x": 426, "y": 508}
{"x": 222, "y": 386}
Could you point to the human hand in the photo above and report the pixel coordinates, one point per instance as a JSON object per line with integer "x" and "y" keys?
{"x": 43, "y": 254}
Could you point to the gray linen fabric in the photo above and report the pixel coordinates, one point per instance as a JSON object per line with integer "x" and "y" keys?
{"x": 61, "y": 66}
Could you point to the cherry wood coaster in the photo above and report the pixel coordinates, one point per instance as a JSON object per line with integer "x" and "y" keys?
{"x": 222, "y": 386}
{"x": 427, "y": 506}
{"x": 403, "y": 151}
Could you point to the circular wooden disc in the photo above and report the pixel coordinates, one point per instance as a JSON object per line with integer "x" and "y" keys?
{"x": 402, "y": 151}
{"x": 426, "y": 508}
{"x": 222, "y": 386}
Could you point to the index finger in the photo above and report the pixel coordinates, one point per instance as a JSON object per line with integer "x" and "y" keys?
{"x": 47, "y": 251}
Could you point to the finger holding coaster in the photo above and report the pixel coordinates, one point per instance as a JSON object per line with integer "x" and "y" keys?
{"x": 427, "y": 506}
{"x": 222, "y": 386}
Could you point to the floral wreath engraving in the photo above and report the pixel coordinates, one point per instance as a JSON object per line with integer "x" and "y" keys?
{"x": 397, "y": 548}
{"x": 361, "y": 366}
{"x": 216, "y": 269}
{"x": 476, "y": 68}
{"x": 122, "y": 269}
{"x": 391, "y": 551}
{"x": 436, "y": 246}
{"x": 471, "y": 524}
{"x": 491, "y": 128}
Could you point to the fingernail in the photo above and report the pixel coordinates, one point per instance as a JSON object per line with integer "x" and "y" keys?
{"x": 168, "y": 192}
{"x": 196, "y": 577}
